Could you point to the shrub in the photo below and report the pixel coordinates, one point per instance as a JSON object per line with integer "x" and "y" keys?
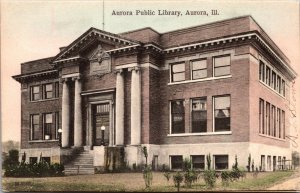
{"x": 190, "y": 176}
{"x": 148, "y": 177}
{"x": 210, "y": 178}
{"x": 12, "y": 158}
{"x": 177, "y": 178}
{"x": 187, "y": 164}
{"x": 226, "y": 177}
{"x": 40, "y": 169}
{"x": 167, "y": 175}
{"x": 208, "y": 161}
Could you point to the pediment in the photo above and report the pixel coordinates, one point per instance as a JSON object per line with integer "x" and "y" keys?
{"x": 99, "y": 60}
{"x": 89, "y": 39}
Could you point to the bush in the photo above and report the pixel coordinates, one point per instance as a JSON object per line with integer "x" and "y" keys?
{"x": 41, "y": 169}
{"x": 167, "y": 175}
{"x": 226, "y": 177}
{"x": 190, "y": 176}
{"x": 210, "y": 178}
{"x": 147, "y": 175}
{"x": 177, "y": 178}
{"x": 12, "y": 159}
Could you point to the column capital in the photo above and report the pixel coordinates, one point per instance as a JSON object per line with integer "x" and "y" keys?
{"x": 76, "y": 78}
{"x": 119, "y": 71}
{"x": 63, "y": 80}
{"x": 136, "y": 68}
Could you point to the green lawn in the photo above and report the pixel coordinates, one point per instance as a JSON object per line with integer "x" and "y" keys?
{"x": 134, "y": 182}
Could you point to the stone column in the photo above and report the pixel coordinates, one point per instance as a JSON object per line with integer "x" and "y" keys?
{"x": 65, "y": 114}
{"x": 77, "y": 114}
{"x": 135, "y": 106}
{"x": 120, "y": 108}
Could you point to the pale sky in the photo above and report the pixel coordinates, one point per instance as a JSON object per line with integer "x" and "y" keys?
{"x": 36, "y": 29}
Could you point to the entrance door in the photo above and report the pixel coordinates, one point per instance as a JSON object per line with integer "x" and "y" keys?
{"x": 101, "y": 124}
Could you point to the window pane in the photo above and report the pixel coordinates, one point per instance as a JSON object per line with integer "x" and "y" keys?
{"x": 179, "y": 77}
{"x": 35, "y": 93}
{"x": 221, "y": 71}
{"x": 48, "y": 118}
{"x": 198, "y": 161}
{"x": 49, "y": 87}
{"x": 222, "y": 61}
{"x": 199, "y": 115}
{"x": 177, "y": 110}
{"x": 200, "y": 74}
{"x": 36, "y": 89}
{"x": 178, "y": 67}
{"x": 35, "y": 119}
{"x": 221, "y": 162}
{"x": 200, "y": 64}
{"x": 176, "y": 162}
{"x": 261, "y": 71}
{"x": 222, "y": 102}
{"x": 222, "y": 113}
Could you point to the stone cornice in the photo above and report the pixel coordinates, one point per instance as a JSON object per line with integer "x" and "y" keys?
{"x": 238, "y": 38}
{"x": 24, "y": 77}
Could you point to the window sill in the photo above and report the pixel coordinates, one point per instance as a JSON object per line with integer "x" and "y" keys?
{"x": 43, "y": 141}
{"x": 200, "y": 80}
{"x": 43, "y": 100}
{"x": 271, "y": 137}
{"x": 269, "y": 87}
{"x": 200, "y": 134}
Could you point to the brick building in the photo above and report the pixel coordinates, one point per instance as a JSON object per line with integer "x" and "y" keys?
{"x": 220, "y": 88}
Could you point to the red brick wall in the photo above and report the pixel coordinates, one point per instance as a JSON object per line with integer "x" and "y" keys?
{"x": 143, "y": 35}
{"x": 28, "y": 108}
{"x": 236, "y": 86}
{"x": 36, "y": 66}
{"x": 258, "y": 90}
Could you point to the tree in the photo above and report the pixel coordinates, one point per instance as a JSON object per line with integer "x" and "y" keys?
{"x": 12, "y": 158}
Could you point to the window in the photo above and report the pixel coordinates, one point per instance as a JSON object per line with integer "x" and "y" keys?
{"x": 199, "y": 69}
{"x": 48, "y": 91}
{"x": 273, "y": 120}
{"x": 47, "y": 120}
{"x": 268, "y": 76}
{"x": 279, "y": 122}
{"x": 56, "y": 89}
{"x": 35, "y": 127}
{"x": 273, "y": 80}
{"x": 32, "y": 160}
{"x": 283, "y": 124}
{"x": 178, "y": 72}
{"x": 221, "y": 162}
{"x": 35, "y": 93}
{"x": 261, "y": 71}
{"x": 45, "y": 159}
{"x": 221, "y": 66}
{"x": 198, "y": 162}
{"x": 262, "y": 162}
{"x": 177, "y": 116}
{"x": 176, "y": 162}
{"x": 278, "y": 84}
{"x": 261, "y": 116}
{"x": 222, "y": 113}
{"x": 199, "y": 115}
{"x": 269, "y": 162}
{"x": 283, "y": 87}
{"x": 267, "y": 118}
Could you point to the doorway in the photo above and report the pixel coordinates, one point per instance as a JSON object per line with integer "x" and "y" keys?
{"x": 101, "y": 117}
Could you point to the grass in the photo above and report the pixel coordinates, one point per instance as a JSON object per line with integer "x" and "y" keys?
{"x": 60, "y": 186}
{"x": 261, "y": 183}
{"x": 134, "y": 182}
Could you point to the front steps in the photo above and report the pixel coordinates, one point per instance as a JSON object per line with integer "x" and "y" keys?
{"x": 82, "y": 164}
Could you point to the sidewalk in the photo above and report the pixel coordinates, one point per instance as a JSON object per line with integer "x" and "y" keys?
{"x": 292, "y": 183}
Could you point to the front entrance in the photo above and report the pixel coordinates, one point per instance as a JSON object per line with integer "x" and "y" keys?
{"x": 101, "y": 125}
